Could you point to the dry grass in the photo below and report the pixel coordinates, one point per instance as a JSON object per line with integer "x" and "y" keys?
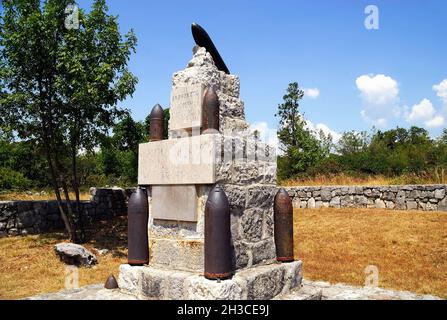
{"x": 35, "y": 195}
{"x": 409, "y": 248}
{"x": 337, "y": 180}
{"x": 349, "y": 180}
{"x": 29, "y": 266}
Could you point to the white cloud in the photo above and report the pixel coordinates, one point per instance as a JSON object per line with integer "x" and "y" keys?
{"x": 378, "y": 90}
{"x": 441, "y": 90}
{"x": 379, "y": 122}
{"x": 380, "y": 97}
{"x": 437, "y": 121}
{"x": 269, "y": 135}
{"x": 326, "y": 130}
{"x": 424, "y": 112}
{"x": 312, "y": 93}
{"x": 381, "y": 103}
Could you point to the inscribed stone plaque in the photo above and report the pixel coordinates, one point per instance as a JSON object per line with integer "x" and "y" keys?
{"x": 186, "y": 107}
{"x": 189, "y": 160}
{"x": 177, "y": 203}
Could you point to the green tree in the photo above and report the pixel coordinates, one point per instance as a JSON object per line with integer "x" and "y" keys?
{"x": 441, "y": 156}
{"x": 400, "y": 150}
{"x": 59, "y": 87}
{"x": 128, "y": 134}
{"x": 22, "y": 156}
{"x": 93, "y": 60}
{"x": 119, "y": 152}
{"x": 352, "y": 142}
{"x": 10, "y": 179}
{"x": 302, "y": 148}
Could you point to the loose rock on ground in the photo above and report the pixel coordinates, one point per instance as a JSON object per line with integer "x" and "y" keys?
{"x": 75, "y": 254}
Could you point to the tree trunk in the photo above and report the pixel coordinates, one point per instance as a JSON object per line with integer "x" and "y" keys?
{"x": 48, "y": 142}
{"x": 54, "y": 180}
{"x": 68, "y": 225}
{"x": 75, "y": 185}
{"x": 63, "y": 179}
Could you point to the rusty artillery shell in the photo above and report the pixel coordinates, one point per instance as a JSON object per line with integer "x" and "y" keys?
{"x": 283, "y": 218}
{"x": 217, "y": 235}
{"x": 202, "y": 39}
{"x": 211, "y": 111}
{"x": 156, "y": 123}
{"x": 111, "y": 282}
{"x": 137, "y": 216}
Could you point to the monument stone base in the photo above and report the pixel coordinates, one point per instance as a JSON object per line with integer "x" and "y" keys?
{"x": 179, "y": 174}
{"x": 261, "y": 282}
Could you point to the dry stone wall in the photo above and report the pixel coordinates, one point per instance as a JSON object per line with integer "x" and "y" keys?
{"x": 34, "y": 217}
{"x": 253, "y": 229}
{"x": 405, "y": 197}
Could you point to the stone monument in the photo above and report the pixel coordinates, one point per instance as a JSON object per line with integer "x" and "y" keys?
{"x": 179, "y": 173}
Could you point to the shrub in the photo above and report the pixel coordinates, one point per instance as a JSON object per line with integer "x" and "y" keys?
{"x": 10, "y": 179}
{"x": 106, "y": 181}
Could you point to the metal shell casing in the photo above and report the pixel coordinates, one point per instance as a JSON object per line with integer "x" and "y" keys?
{"x": 211, "y": 111}
{"x": 283, "y": 219}
{"x": 137, "y": 216}
{"x": 217, "y": 236}
{"x": 111, "y": 283}
{"x": 156, "y": 124}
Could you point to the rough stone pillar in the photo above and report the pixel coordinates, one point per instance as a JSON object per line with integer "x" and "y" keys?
{"x": 241, "y": 164}
{"x": 245, "y": 168}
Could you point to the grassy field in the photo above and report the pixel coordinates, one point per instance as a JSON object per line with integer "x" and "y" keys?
{"x": 409, "y": 249}
{"x": 38, "y": 195}
{"x": 29, "y": 266}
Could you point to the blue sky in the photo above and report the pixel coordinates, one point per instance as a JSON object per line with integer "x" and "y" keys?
{"x": 386, "y": 77}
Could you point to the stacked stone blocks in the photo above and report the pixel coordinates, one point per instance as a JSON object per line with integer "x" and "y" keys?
{"x": 405, "y": 197}
{"x": 246, "y": 170}
{"x": 257, "y": 283}
{"x": 35, "y": 217}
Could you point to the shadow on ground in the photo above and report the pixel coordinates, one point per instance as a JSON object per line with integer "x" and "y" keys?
{"x": 110, "y": 235}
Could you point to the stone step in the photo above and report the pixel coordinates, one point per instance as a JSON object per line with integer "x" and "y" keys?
{"x": 347, "y": 292}
{"x": 302, "y": 293}
{"x": 256, "y": 283}
{"x": 309, "y": 290}
{"x": 91, "y": 292}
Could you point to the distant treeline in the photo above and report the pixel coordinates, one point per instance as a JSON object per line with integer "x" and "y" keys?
{"x": 114, "y": 162}
{"x": 410, "y": 153}
{"x": 392, "y": 153}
